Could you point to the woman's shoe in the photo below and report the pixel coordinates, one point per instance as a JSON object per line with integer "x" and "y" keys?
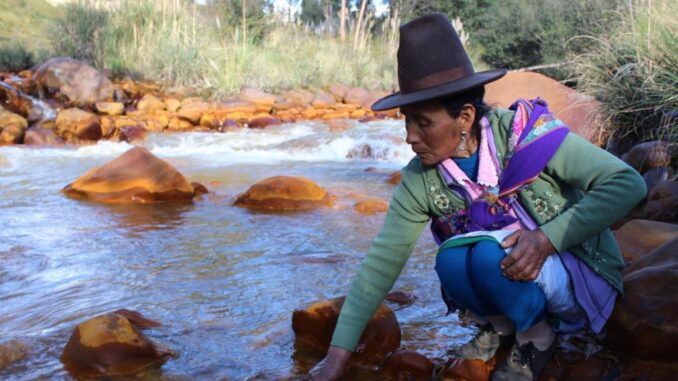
{"x": 524, "y": 363}
{"x": 483, "y": 346}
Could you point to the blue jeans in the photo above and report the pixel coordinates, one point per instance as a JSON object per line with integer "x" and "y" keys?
{"x": 471, "y": 277}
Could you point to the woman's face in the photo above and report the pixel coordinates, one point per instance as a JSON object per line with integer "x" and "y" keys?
{"x": 433, "y": 134}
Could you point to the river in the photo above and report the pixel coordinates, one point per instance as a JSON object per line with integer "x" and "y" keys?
{"x": 222, "y": 279}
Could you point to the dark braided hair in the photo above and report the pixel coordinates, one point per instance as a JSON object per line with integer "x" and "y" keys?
{"x": 454, "y": 103}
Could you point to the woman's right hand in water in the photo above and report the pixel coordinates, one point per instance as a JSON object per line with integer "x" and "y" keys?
{"x": 332, "y": 367}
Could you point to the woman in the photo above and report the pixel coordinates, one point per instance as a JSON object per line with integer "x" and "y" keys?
{"x": 520, "y": 206}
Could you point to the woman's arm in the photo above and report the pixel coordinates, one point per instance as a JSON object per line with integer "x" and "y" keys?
{"x": 406, "y": 217}
{"x": 612, "y": 189}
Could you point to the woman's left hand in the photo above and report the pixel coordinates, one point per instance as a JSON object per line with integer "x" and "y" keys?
{"x": 530, "y": 249}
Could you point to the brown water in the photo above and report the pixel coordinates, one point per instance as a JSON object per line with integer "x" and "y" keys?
{"x": 224, "y": 280}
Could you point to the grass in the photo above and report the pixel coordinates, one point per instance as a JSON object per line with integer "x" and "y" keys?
{"x": 633, "y": 70}
{"x": 28, "y": 23}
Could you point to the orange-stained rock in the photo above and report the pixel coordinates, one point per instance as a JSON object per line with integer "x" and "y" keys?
{"x": 149, "y": 103}
{"x": 314, "y": 327}
{"x": 263, "y": 122}
{"x": 650, "y": 155}
{"x": 580, "y": 112}
{"x": 346, "y": 107}
{"x": 11, "y": 352}
{"x": 394, "y": 178}
{"x": 42, "y": 137}
{"x": 13, "y": 100}
{"x": 262, "y": 100}
{"x": 137, "y": 319}
{"x": 156, "y": 120}
{"x": 214, "y": 118}
{"x": 193, "y": 111}
{"x": 644, "y": 323}
{"x": 228, "y": 125}
{"x": 310, "y": 113}
{"x": 400, "y": 297}
{"x": 336, "y": 115}
{"x": 107, "y": 126}
{"x": 371, "y": 206}
{"x": 75, "y": 125}
{"x": 359, "y": 113}
{"x": 73, "y": 82}
{"x": 12, "y": 128}
{"x": 638, "y": 238}
{"x": 284, "y": 193}
{"x": 356, "y": 96}
{"x": 469, "y": 370}
{"x": 407, "y": 365}
{"x": 172, "y": 104}
{"x": 136, "y": 176}
{"x": 111, "y": 345}
{"x": 338, "y": 91}
{"x": 132, "y": 134}
{"x": 179, "y": 124}
{"x": 110, "y": 108}
{"x": 236, "y": 106}
{"x": 339, "y": 125}
{"x": 129, "y": 87}
{"x": 323, "y": 100}
{"x": 575, "y": 366}
{"x": 299, "y": 97}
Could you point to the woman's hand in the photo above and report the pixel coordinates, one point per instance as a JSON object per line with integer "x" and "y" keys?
{"x": 332, "y": 367}
{"x": 530, "y": 249}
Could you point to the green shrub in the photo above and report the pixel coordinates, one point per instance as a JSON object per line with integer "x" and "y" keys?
{"x": 633, "y": 70}
{"x": 15, "y": 57}
{"x": 80, "y": 33}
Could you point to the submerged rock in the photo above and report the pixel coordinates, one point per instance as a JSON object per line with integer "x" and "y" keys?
{"x": 371, "y": 206}
{"x": 42, "y": 137}
{"x": 284, "y": 193}
{"x": 650, "y": 155}
{"x": 137, "y": 176}
{"x": 407, "y": 365}
{"x": 394, "y": 178}
{"x": 112, "y": 345}
{"x": 314, "y": 327}
{"x": 73, "y": 82}
{"x": 662, "y": 203}
{"x": 645, "y": 321}
{"x": 11, "y": 352}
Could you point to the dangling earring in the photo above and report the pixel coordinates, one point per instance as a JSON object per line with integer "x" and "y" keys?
{"x": 462, "y": 145}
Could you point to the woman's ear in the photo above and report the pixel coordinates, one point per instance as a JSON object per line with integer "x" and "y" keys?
{"x": 468, "y": 115}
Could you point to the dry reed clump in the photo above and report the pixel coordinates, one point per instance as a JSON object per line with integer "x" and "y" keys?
{"x": 633, "y": 70}
{"x": 178, "y": 42}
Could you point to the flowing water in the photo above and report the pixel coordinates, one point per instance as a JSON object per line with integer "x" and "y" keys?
{"x": 223, "y": 280}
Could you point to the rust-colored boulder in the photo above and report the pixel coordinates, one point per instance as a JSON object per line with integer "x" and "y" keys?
{"x": 401, "y": 298}
{"x": 298, "y": 98}
{"x": 283, "y": 193}
{"x": 42, "y": 137}
{"x": 262, "y": 100}
{"x": 314, "y": 327}
{"x": 12, "y": 128}
{"x": 638, "y": 238}
{"x": 73, "y": 82}
{"x": 357, "y": 96}
{"x": 75, "y": 125}
{"x": 394, "y": 178}
{"x": 469, "y": 370}
{"x": 580, "y": 112}
{"x": 179, "y": 124}
{"x": 111, "y": 345}
{"x": 644, "y": 323}
{"x": 136, "y": 176}
{"x": 661, "y": 204}
{"x": 172, "y": 104}
{"x": 132, "y": 134}
{"x": 11, "y": 352}
{"x": 110, "y": 108}
{"x": 407, "y": 365}
{"x": 149, "y": 103}
{"x": 263, "y": 122}
{"x": 650, "y": 155}
{"x": 323, "y": 100}
{"x": 338, "y": 91}
{"x": 193, "y": 111}
{"x": 371, "y": 206}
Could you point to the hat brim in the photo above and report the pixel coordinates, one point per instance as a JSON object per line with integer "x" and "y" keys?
{"x": 450, "y": 88}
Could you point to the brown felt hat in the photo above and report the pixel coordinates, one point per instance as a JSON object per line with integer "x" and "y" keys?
{"x": 432, "y": 63}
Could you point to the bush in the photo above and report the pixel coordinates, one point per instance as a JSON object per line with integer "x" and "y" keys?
{"x": 15, "y": 57}
{"x": 633, "y": 70}
{"x": 80, "y": 33}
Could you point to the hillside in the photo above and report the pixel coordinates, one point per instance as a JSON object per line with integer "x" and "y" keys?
{"x": 28, "y": 22}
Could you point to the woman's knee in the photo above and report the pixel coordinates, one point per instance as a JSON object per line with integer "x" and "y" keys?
{"x": 451, "y": 261}
{"x": 487, "y": 256}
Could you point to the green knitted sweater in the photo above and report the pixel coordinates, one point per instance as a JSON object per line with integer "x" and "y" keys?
{"x": 581, "y": 192}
